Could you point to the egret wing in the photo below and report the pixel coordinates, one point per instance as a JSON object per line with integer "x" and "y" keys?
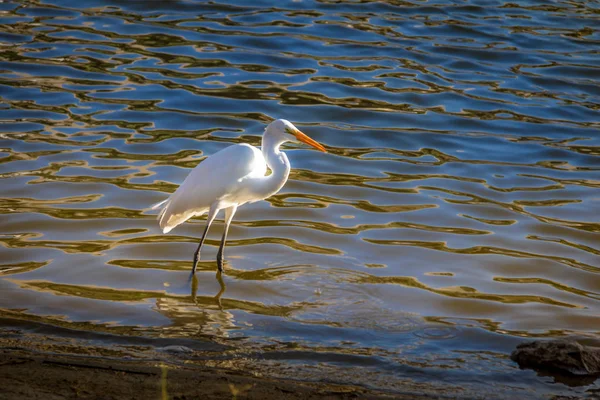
{"x": 213, "y": 180}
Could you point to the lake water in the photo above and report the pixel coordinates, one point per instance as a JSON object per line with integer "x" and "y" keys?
{"x": 456, "y": 213}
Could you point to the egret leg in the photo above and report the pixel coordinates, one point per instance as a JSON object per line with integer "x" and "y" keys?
{"x": 229, "y": 212}
{"x": 212, "y": 213}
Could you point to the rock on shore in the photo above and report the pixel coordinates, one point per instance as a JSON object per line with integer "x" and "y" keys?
{"x": 558, "y": 355}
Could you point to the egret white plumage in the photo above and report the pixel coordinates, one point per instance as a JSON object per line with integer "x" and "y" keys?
{"x": 230, "y": 178}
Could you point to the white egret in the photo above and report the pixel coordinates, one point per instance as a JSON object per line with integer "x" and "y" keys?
{"x": 230, "y": 178}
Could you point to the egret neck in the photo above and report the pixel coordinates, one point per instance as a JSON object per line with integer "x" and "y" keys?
{"x": 277, "y": 161}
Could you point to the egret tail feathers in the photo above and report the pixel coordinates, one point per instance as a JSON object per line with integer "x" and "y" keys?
{"x": 162, "y": 221}
{"x": 158, "y": 205}
{"x": 175, "y": 212}
{"x": 169, "y": 219}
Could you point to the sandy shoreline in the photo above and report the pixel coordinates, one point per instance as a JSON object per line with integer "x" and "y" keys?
{"x": 50, "y": 361}
{"x": 37, "y": 365}
{"x": 27, "y": 375}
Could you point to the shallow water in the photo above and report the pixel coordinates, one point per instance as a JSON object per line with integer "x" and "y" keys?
{"x": 456, "y": 211}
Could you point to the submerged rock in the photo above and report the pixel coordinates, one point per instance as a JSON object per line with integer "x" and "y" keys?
{"x": 558, "y": 355}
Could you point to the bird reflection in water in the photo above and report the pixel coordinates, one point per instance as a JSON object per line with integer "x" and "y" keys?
{"x": 194, "y": 288}
{"x": 198, "y": 314}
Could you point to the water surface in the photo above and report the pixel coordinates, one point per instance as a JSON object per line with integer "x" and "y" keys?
{"x": 456, "y": 212}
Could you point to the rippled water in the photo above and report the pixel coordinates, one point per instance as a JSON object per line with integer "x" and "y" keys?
{"x": 457, "y": 209}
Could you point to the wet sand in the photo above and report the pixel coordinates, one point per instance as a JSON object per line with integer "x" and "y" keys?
{"x": 27, "y": 375}
{"x": 65, "y": 360}
{"x": 35, "y": 365}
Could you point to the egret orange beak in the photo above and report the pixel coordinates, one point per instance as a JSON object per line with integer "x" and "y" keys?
{"x": 305, "y": 139}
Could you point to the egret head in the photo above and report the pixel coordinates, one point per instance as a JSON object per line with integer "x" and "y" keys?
{"x": 286, "y": 131}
